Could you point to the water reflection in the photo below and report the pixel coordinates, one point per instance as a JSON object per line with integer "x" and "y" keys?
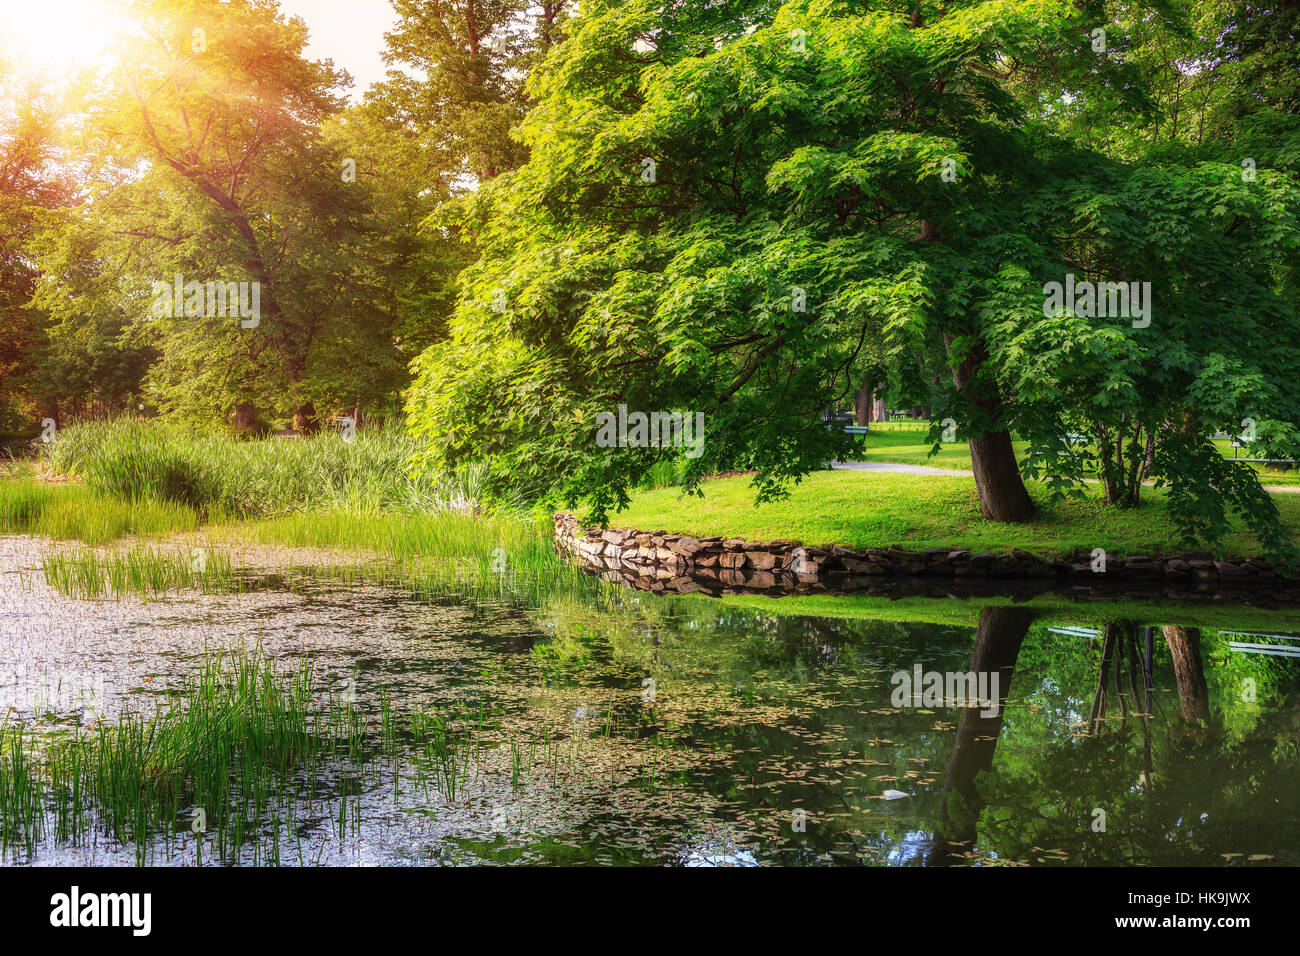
{"x": 632, "y": 728}
{"x": 998, "y": 637}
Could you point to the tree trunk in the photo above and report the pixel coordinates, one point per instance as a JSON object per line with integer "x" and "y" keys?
{"x": 1002, "y": 492}
{"x": 304, "y": 419}
{"x": 863, "y": 406}
{"x": 550, "y": 11}
{"x": 879, "y": 411}
{"x": 244, "y": 418}
{"x": 1106, "y": 464}
{"x": 1193, "y": 694}
{"x": 1109, "y": 645}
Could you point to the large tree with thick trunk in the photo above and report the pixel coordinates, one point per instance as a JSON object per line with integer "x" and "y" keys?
{"x": 752, "y": 218}
{"x": 749, "y": 217}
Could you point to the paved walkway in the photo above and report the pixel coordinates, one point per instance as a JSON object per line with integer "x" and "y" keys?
{"x": 893, "y": 468}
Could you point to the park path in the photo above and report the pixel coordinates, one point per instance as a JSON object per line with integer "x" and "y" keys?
{"x": 893, "y": 468}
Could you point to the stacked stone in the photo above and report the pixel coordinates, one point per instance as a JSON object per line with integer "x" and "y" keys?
{"x": 659, "y": 561}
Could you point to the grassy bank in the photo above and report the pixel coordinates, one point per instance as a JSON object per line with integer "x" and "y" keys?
{"x": 359, "y": 501}
{"x": 865, "y": 509}
{"x": 442, "y": 554}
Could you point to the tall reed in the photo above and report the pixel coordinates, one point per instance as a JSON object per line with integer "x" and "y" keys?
{"x": 142, "y": 571}
{"x": 215, "y": 757}
{"x": 223, "y": 476}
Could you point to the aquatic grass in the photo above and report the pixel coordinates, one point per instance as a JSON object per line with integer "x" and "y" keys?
{"x": 215, "y": 757}
{"x": 432, "y": 556}
{"x": 22, "y": 502}
{"x": 22, "y": 788}
{"x": 142, "y": 571}
{"x": 438, "y": 556}
{"x": 398, "y": 536}
{"x": 446, "y": 752}
{"x": 68, "y": 511}
{"x": 235, "y": 758}
{"x": 446, "y": 756}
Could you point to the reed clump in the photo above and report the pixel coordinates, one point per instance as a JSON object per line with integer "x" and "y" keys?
{"x": 219, "y": 758}
{"x": 243, "y": 758}
{"x": 221, "y": 476}
{"x": 143, "y": 571}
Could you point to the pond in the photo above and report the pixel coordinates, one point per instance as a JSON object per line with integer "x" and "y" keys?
{"x": 614, "y": 726}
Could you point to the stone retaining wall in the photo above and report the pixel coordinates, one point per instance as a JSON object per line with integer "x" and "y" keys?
{"x": 656, "y": 560}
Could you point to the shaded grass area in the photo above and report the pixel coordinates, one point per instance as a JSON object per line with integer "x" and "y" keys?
{"x": 904, "y": 443}
{"x": 865, "y": 509}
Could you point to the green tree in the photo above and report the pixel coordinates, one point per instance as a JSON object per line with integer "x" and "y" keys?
{"x": 210, "y": 164}
{"x": 56, "y": 367}
{"x": 455, "y": 82}
{"x": 27, "y": 136}
{"x": 883, "y": 168}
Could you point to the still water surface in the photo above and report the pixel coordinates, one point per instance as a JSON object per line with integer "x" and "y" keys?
{"x": 624, "y": 727}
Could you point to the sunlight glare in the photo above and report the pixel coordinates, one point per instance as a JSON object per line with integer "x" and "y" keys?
{"x": 57, "y": 35}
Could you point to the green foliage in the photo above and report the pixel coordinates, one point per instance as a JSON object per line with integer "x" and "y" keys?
{"x": 745, "y": 209}
{"x": 897, "y": 174}
{"x": 191, "y": 180}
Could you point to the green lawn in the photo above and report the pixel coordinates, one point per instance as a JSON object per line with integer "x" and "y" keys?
{"x": 905, "y": 443}
{"x": 866, "y": 509}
